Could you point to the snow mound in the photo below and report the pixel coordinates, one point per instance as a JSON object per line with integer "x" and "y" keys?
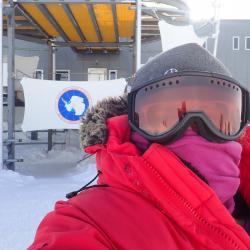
{"x": 30, "y": 193}
{"x": 10, "y": 178}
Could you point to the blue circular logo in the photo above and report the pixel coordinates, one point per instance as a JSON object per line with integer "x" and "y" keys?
{"x": 73, "y": 104}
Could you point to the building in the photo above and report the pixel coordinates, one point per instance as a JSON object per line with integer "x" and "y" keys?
{"x": 233, "y": 51}
{"x": 234, "y": 48}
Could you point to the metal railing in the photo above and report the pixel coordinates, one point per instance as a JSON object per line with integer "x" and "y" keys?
{"x": 21, "y": 142}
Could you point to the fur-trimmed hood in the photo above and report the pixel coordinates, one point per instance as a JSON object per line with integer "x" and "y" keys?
{"x": 94, "y": 131}
{"x": 93, "y": 128}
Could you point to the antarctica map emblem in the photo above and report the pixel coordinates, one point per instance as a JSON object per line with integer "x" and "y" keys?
{"x": 72, "y": 103}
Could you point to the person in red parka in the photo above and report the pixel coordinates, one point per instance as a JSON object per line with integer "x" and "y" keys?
{"x": 173, "y": 159}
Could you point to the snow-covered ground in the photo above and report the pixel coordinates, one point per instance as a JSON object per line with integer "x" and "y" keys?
{"x": 28, "y": 194}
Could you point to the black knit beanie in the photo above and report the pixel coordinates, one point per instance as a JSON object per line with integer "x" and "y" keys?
{"x": 188, "y": 57}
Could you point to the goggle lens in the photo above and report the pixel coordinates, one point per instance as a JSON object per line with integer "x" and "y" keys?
{"x": 161, "y": 105}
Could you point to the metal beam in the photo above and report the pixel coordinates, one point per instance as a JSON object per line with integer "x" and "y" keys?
{"x": 52, "y": 20}
{"x": 78, "y": 1}
{"x": 11, "y": 87}
{"x": 36, "y": 25}
{"x": 30, "y": 39}
{"x": 73, "y": 21}
{"x": 92, "y": 44}
{"x": 28, "y": 32}
{"x": 93, "y": 18}
{"x": 149, "y": 20}
{"x": 19, "y": 23}
{"x": 151, "y": 34}
{"x": 115, "y": 23}
{"x": 149, "y": 28}
{"x": 98, "y": 52}
{"x": 21, "y": 27}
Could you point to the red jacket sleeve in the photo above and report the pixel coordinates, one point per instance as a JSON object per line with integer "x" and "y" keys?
{"x": 68, "y": 228}
{"x": 245, "y": 166}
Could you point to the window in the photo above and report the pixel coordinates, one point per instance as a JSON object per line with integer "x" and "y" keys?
{"x": 63, "y": 75}
{"x": 236, "y": 42}
{"x": 39, "y": 74}
{"x": 247, "y": 43}
{"x": 112, "y": 74}
{"x": 97, "y": 74}
{"x": 5, "y": 95}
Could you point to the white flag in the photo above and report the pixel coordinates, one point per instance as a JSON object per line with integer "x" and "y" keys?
{"x": 173, "y": 35}
{"x": 60, "y": 105}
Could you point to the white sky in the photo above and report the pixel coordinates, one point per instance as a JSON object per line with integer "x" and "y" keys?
{"x": 235, "y": 9}
{"x": 230, "y": 9}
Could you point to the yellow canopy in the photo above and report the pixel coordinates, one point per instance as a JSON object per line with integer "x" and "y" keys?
{"x": 82, "y": 22}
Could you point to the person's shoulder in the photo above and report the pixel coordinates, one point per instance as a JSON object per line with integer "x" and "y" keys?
{"x": 245, "y": 165}
{"x": 91, "y": 195}
{"x": 245, "y": 140}
{"x": 99, "y": 195}
{"x": 108, "y": 198}
{"x": 70, "y": 226}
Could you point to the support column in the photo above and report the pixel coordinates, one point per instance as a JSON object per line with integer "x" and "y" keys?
{"x": 1, "y": 84}
{"x": 138, "y": 35}
{"x": 11, "y": 87}
{"x": 51, "y": 76}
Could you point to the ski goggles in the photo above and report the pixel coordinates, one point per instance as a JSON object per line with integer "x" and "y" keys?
{"x": 215, "y": 105}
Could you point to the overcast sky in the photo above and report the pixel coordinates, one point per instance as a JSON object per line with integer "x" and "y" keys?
{"x": 230, "y": 9}
{"x": 235, "y": 9}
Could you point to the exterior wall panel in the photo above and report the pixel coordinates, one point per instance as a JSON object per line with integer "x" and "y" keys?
{"x": 237, "y": 61}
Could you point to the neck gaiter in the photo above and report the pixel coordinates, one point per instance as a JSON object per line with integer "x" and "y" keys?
{"x": 217, "y": 162}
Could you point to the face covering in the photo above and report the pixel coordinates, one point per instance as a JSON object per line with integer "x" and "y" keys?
{"x": 217, "y": 162}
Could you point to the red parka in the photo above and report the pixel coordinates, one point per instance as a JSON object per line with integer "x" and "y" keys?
{"x": 152, "y": 202}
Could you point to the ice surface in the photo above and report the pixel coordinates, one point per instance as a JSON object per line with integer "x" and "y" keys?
{"x": 28, "y": 194}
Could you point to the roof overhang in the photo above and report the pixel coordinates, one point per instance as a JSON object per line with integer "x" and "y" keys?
{"x": 83, "y": 24}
